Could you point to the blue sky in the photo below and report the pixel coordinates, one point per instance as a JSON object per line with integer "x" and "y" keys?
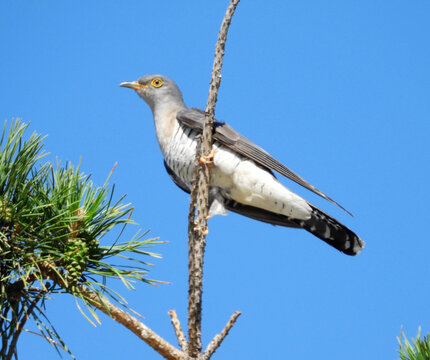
{"x": 338, "y": 91}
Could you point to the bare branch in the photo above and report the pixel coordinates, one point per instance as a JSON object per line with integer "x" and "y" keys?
{"x": 178, "y": 330}
{"x": 197, "y": 229}
{"x": 160, "y": 345}
{"x": 218, "y": 339}
{"x": 194, "y": 286}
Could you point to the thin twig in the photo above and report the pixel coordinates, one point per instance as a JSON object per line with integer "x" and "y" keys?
{"x": 48, "y": 339}
{"x": 218, "y": 339}
{"x": 198, "y": 228}
{"x": 20, "y": 328}
{"x": 178, "y": 330}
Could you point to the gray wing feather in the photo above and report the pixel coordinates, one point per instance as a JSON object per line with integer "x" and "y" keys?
{"x": 227, "y": 136}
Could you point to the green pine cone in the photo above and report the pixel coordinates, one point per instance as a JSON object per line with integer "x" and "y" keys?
{"x": 93, "y": 246}
{"x": 76, "y": 257}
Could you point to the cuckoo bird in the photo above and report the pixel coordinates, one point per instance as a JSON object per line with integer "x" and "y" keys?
{"x": 242, "y": 178}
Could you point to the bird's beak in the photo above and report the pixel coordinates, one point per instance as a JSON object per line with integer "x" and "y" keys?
{"x": 133, "y": 85}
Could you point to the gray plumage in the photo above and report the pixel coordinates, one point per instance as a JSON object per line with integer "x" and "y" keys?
{"x": 241, "y": 180}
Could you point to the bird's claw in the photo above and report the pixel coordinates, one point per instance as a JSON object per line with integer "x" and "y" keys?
{"x": 208, "y": 159}
{"x": 203, "y": 232}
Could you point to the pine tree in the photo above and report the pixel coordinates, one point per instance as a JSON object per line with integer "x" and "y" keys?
{"x": 53, "y": 220}
{"x": 418, "y": 350}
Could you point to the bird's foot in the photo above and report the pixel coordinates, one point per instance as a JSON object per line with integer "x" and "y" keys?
{"x": 208, "y": 159}
{"x": 203, "y": 232}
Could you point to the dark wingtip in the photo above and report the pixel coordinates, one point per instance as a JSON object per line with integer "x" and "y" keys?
{"x": 340, "y": 206}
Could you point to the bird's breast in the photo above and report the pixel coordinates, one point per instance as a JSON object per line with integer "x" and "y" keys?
{"x": 179, "y": 152}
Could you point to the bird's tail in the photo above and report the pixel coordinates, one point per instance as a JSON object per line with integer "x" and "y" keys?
{"x": 332, "y": 232}
{"x": 320, "y": 224}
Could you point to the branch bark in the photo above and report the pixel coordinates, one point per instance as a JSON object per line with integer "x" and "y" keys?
{"x": 197, "y": 227}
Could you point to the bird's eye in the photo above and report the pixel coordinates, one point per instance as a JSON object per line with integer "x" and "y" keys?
{"x": 157, "y": 83}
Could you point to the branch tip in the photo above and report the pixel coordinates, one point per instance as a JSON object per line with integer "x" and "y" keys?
{"x": 218, "y": 339}
{"x": 178, "y": 330}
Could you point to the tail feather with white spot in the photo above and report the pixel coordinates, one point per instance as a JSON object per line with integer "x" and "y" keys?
{"x": 332, "y": 232}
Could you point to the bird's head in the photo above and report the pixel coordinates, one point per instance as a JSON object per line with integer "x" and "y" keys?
{"x": 156, "y": 90}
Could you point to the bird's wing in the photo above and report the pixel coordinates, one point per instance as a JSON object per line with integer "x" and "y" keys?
{"x": 225, "y": 134}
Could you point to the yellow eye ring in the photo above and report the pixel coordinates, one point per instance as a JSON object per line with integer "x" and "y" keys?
{"x": 157, "y": 82}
